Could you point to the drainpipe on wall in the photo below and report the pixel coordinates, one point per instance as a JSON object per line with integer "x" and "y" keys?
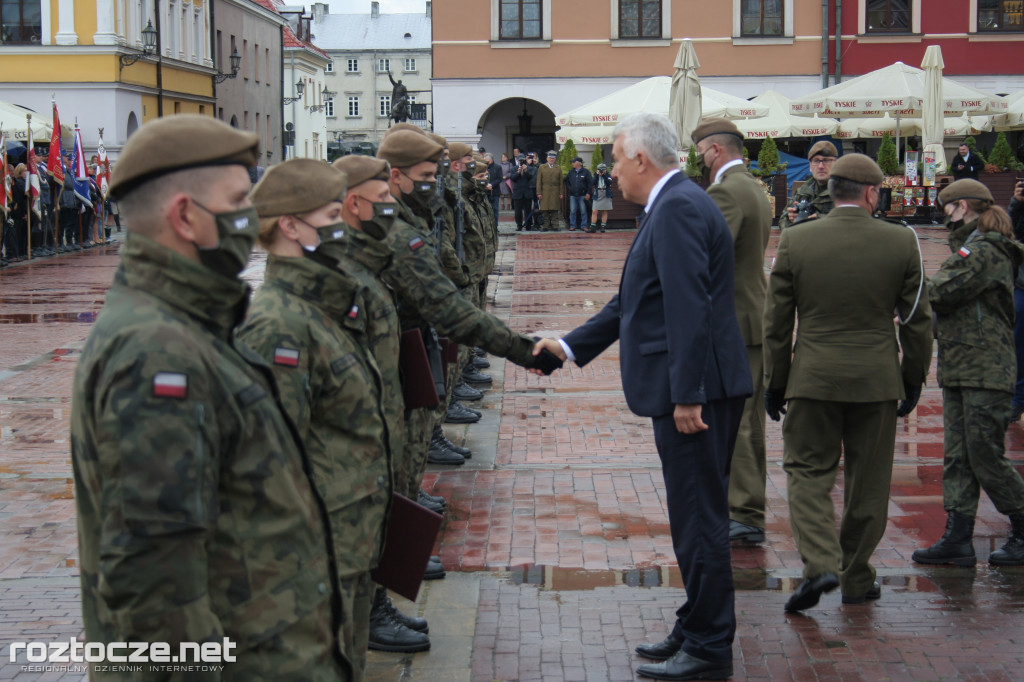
{"x": 839, "y": 40}
{"x": 824, "y": 43}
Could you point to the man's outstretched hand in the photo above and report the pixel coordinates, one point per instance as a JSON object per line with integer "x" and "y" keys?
{"x": 548, "y": 356}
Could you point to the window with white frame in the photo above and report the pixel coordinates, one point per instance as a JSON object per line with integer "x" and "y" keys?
{"x": 639, "y": 19}
{"x": 521, "y": 20}
{"x": 888, "y": 16}
{"x": 385, "y": 105}
{"x": 353, "y": 105}
{"x": 410, "y": 64}
{"x": 353, "y": 66}
{"x": 329, "y": 107}
{"x": 762, "y": 18}
{"x": 330, "y": 67}
{"x": 383, "y": 66}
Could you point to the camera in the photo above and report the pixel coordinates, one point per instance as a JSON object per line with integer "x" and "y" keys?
{"x": 804, "y": 209}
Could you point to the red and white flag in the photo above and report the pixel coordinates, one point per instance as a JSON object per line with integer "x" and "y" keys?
{"x": 32, "y": 177}
{"x": 5, "y": 181}
{"x": 170, "y": 385}
{"x": 53, "y": 160}
{"x": 103, "y": 172}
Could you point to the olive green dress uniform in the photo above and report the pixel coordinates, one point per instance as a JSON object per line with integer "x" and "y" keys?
{"x": 748, "y": 212}
{"x": 844, "y": 275}
{"x": 196, "y": 517}
{"x": 972, "y": 296}
{"x": 550, "y": 189}
{"x": 310, "y": 325}
{"x": 818, "y": 195}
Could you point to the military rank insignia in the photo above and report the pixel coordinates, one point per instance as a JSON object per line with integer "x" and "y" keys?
{"x": 416, "y": 243}
{"x": 288, "y": 357}
{"x": 170, "y": 385}
{"x": 964, "y": 252}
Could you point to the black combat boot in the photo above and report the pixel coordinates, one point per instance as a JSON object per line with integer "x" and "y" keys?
{"x": 954, "y": 547}
{"x": 439, "y": 434}
{"x": 440, "y": 454}
{"x": 481, "y": 362}
{"x": 460, "y": 414}
{"x": 472, "y": 375}
{"x": 464, "y": 391}
{"x": 411, "y": 622}
{"x": 388, "y": 633}
{"x": 1012, "y": 553}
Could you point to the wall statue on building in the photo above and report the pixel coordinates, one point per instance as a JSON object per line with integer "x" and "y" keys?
{"x": 399, "y": 100}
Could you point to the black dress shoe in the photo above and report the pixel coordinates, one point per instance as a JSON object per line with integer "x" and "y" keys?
{"x": 741, "y": 532}
{"x": 458, "y": 414}
{"x": 474, "y": 376}
{"x": 464, "y": 391}
{"x": 435, "y": 571}
{"x": 874, "y": 593}
{"x": 810, "y": 591}
{"x": 661, "y": 651}
{"x": 683, "y": 666}
{"x": 481, "y": 363}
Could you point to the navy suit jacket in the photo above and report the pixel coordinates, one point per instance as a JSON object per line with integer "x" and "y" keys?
{"x": 675, "y": 314}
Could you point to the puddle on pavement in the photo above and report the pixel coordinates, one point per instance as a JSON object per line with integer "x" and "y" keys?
{"x": 36, "y": 318}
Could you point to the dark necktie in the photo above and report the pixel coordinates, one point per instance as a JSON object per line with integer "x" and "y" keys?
{"x": 641, "y": 218}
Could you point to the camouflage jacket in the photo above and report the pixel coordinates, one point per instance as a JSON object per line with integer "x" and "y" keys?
{"x": 818, "y": 196}
{"x": 473, "y": 237}
{"x": 196, "y": 517}
{"x": 452, "y": 266}
{"x": 972, "y": 296}
{"x": 310, "y": 324}
{"x": 425, "y": 293}
{"x": 485, "y": 215}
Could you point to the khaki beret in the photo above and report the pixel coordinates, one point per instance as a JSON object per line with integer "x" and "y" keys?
{"x": 715, "y": 126}
{"x": 479, "y": 158}
{"x": 457, "y": 150}
{"x": 361, "y": 168}
{"x": 438, "y": 139}
{"x": 823, "y": 148}
{"x": 405, "y": 126}
{"x": 965, "y": 189}
{"x": 857, "y": 168}
{"x": 174, "y": 143}
{"x": 405, "y": 148}
{"x": 297, "y": 186}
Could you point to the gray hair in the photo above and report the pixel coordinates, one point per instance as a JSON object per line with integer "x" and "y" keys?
{"x": 653, "y": 134}
{"x": 489, "y": 156}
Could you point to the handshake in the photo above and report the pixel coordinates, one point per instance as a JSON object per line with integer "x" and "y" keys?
{"x": 548, "y": 356}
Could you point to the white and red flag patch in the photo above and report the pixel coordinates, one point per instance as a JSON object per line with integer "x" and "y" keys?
{"x": 289, "y": 357}
{"x": 170, "y": 385}
{"x": 964, "y": 252}
{"x": 353, "y": 312}
{"x": 415, "y": 243}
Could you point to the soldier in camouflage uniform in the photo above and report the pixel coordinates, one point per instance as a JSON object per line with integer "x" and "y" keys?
{"x": 196, "y": 518}
{"x": 309, "y": 322}
{"x": 821, "y": 157}
{"x": 972, "y": 295}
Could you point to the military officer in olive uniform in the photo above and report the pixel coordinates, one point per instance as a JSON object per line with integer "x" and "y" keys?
{"x": 549, "y": 191}
{"x": 821, "y": 157}
{"x": 309, "y": 323}
{"x": 972, "y": 295}
{"x": 197, "y": 521}
{"x": 749, "y": 214}
{"x": 844, "y": 275}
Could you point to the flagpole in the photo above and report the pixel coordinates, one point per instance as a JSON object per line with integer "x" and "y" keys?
{"x": 28, "y": 194}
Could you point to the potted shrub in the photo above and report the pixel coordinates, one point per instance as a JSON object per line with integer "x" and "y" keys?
{"x": 772, "y": 173}
{"x": 1000, "y": 174}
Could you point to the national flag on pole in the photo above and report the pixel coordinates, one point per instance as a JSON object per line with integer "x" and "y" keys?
{"x": 53, "y": 164}
{"x": 79, "y": 170}
{"x": 103, "y": 172}
{"x": 32, "y": 177}
{"x": 4, "y": 180}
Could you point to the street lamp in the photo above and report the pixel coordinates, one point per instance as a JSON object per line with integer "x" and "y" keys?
{"x": 236, "y": 63}
{"x": 325, "y": 95}
{"x": 148, "y": 46}
{"x": 300, "y": 86}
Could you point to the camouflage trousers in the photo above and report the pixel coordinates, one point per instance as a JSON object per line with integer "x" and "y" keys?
{"x": 419, "y": 429}
{"x": 356, "y": 595}
{"x": 975, "y": 421}
{"x": 748, "y": 471}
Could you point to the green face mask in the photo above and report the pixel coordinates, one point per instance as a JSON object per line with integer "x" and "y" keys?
{"x": 422, "y": 194}
{"x": 237, "y": 231}
{"x": 702, "y": 166}
{"x": 384, "y": 215}
{"x": 330, "y": 235}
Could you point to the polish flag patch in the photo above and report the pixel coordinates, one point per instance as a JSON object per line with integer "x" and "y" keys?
{"x": 353, "y": 312}
{"x": 289, "y": 357}
{"x": 415, "y": 243}
{"x": 964, "y": 252}
{"x": 170, "y": 385}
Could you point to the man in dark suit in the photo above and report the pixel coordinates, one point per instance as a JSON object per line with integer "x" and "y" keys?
{"x": 684, "y": 365}
{"x": 965, "y": 164}
{"x": 748, "y": 212}
{"x": 843, "y": 276}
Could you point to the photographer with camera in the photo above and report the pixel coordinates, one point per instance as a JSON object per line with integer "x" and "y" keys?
{"x": 522, "y": 191}
{"x": 812, "y": 200}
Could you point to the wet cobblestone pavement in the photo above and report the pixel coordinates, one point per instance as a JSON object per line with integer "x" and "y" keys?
{"x": 556, "y": 541}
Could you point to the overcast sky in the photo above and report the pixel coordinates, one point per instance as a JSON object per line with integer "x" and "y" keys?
{"x": 386, "y": 6}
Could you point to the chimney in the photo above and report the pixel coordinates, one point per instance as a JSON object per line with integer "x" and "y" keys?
{"x": 374, "y": 9}
{"x": 320, "y": 10}
{"x": 428, "y": 9}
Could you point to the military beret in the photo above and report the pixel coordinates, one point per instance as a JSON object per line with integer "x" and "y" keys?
{"x": 298, "y": 186}
{"x": 361, "y": 168}
{"x": 965, "y": 189}
{"x": 179, "y": 142}
{"x": 552, "y": 153}
{"x": 715, "y": 126}
{"x": 405, "y": 148}
{"x": 457, "y": 150}
{"x": 438, "y": 139}
{"x": 857, "y": 168}
{"x": 479, "y": 158}
{"x": 405, "y": 126}
{"x": 823, "y": 148}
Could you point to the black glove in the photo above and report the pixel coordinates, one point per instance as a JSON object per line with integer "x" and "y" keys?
{"x": 775, "y": 403}
{"x": 546, "y": 361}
{"x": 908, "y": 404}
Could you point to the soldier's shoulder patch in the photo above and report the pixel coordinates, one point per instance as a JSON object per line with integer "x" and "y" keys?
{"x": 416, "y": 243}
{"x": 286, "y": 357}
{"x": 964, "y": 252}
{"x": 353, "y": 312}
{"x": 170, "y": 385}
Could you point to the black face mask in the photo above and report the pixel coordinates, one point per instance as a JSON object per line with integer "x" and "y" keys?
{"x": 237, "y": 231}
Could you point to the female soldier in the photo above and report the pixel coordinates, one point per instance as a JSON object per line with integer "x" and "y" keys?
{"x": 972, "y": 296}
{"x": 308, "y": 322}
